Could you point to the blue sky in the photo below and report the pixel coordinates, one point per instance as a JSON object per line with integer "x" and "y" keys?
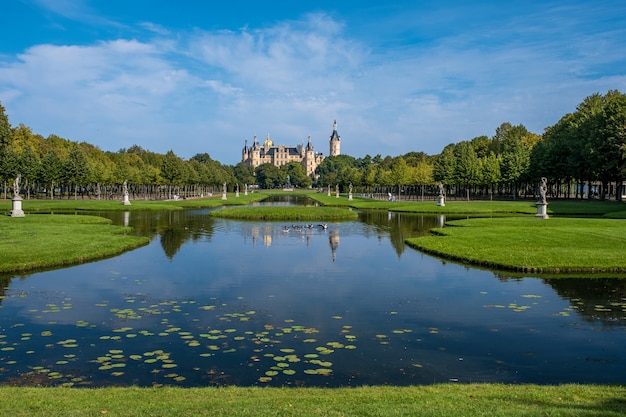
{"x": 398, "y": 76}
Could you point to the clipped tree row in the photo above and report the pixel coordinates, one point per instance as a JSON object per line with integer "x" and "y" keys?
{"x": 54, "y": 167}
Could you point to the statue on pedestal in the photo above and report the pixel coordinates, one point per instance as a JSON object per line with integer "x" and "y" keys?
{"x": 543, "y": 189}
{"x": 441, "y": 199}
{"x": 17, "y": 200}
{"x": 542, "y": 203}
{"x": 125, "y": 200}
{"x": 16, "y": 185}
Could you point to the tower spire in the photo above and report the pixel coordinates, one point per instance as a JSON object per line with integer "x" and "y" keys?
{"x": 335, "y": 141}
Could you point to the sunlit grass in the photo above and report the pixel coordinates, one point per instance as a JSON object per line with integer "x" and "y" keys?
{"x": 43, "y": 241}
{"x": 33, "y": 206}
{"x": 435, "y": 400}
{"x": 531, "y": 244}
{"x": 286, "y": 213}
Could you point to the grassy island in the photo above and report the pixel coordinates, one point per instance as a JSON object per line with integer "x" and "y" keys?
{"x": 286, "y": 213}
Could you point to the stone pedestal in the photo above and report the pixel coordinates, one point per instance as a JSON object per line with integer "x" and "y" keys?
{"x": 236, "y": 193}
{"x": 223, "y": 196}
{"x": 542, "y": 211}
{"x": 125, "y": 200}
{"x": 17, "y": 207}
{"x": 441, "y": 201}
{"x": 350, "y": 197}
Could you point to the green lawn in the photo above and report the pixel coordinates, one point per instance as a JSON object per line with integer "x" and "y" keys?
{"x": 43, "y": 241}
{"x": 436, "y": 400}
{"x": 34, "y": 206}
{"x": 531, "y": 244}
{"x": 286, "y": 213}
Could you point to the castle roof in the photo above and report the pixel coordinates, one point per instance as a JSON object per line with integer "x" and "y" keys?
{"x": 335, "y": 135}
{"x": 291, "y": 150}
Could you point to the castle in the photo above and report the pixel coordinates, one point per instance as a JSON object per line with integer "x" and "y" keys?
{"x": 268, "y": 153}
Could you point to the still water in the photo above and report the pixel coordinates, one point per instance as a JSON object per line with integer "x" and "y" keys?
{"x": 215, "y": 302}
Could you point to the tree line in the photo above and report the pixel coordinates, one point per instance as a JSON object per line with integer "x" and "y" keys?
{"x": 581, "y": 156}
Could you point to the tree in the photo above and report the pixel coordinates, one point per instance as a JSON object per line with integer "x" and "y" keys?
{"x": 6, "y": 133}
{"x": 243, "y": 173}
{"x": 515, "y": 156}
{"x": 330, "y": 170}
{"x": 75, "y": 168}
{"x": 467, "y": 169}
{"x": 30, "y": 167}
{"x": 423, "y": 173}
{"x": 51, "y": 175}
{"x": 490, "y": 171}
{"x": 400, "y": 174}
{"x": 9, "y": 166}
{"x": 445, "y": 165}
{"x": 172, "y": 170}
{"x": 269, "y": 176}
{"x": 297, "y": 174}
{"x": 482, "y": 146}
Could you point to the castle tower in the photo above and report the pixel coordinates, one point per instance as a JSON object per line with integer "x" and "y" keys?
{"x": 245, "y": 152}
{"x": 308, "y": 161}
{"x": 335, "y": 141}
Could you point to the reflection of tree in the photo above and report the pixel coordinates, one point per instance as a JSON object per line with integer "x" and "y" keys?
{"x": 399, "y": 226}
{"x": 595, "y": 299}
{"x": 174, "y": 227}
{"x": 182, "y": 226}
{"x": 4, "y": 286}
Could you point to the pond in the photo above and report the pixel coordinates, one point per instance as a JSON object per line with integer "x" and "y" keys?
{"x": 216, "y": 302}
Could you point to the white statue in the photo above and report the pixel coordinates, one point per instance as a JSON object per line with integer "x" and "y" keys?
{"x": 16, "y": 185}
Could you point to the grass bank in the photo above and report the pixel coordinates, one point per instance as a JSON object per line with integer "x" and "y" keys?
{"x": 44, "y": 241}
{"x": 531, "y": 245}
{"x": 611, "y": 209}
{"x": 286, "y": 213}
{"x": 46, "y": 206}
{"x": 436, "y": 400}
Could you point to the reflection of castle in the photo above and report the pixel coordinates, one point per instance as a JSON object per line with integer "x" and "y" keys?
{"x": 333, "y": 241}
{"x": 255, "y": 155}
{"x": 268, "y": 234}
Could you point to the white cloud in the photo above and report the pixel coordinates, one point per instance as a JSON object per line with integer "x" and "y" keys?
{"x": 208, "y": 91}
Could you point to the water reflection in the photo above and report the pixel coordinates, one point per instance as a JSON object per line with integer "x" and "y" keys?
{"x": 216, "y": 301}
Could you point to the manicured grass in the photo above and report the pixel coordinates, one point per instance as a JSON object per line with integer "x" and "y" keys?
{"x": 567, "y": 207}
{"x": 32, "y": 206}
{"x": 286, "y": 213}
{"x": 530, "y": 244}
{"x": 44, "y": 241}
{"x": 436, "y": 400}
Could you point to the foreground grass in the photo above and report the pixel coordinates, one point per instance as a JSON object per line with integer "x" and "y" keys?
{"x": 286, "y": 213}
{"x": 530, "y": 244}
{"x": 44, "y": 241}
{"x": 435, "y": 400}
